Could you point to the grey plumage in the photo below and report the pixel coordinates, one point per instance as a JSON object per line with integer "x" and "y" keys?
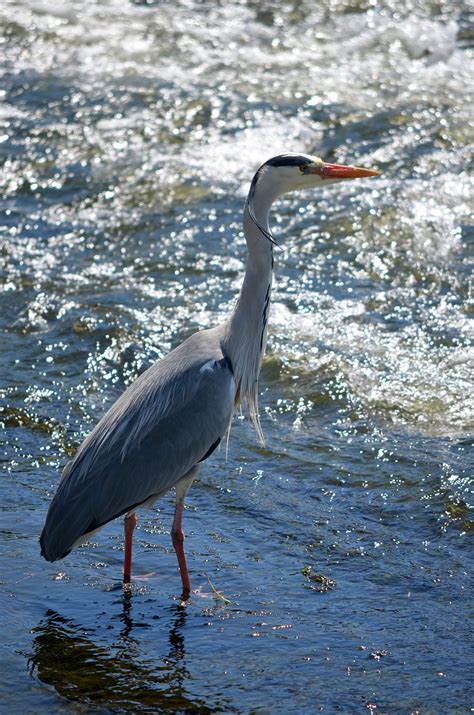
{"x": 156, "y": 431}
{"x": 175, "y": 414}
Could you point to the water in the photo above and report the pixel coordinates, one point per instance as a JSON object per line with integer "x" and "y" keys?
{"x": 130, "y": 134}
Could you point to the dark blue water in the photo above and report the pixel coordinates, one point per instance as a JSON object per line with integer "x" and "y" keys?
{"x": 332, "y": 568}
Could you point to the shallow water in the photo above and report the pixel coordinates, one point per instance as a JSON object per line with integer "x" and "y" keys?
{"x": 130, "y": 134}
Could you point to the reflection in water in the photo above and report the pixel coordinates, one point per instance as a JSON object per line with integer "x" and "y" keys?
{"x": 126, "y": 615}
{"x": 176, "y": 655}
{"x": 66, "y": 657}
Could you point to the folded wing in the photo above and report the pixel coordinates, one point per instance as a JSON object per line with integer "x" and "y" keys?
{"x": 167, "y": 421}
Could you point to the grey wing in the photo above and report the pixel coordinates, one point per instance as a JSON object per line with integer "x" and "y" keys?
{"x": 164, "y": 424}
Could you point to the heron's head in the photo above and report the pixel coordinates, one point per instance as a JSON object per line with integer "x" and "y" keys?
{"x": 294, "y": 172}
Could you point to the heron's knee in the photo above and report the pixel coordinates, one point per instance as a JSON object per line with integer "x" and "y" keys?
{"x": 131, "y": 519}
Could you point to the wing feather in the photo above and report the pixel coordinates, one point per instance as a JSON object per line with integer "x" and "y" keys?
{"x": 161, "y": 427}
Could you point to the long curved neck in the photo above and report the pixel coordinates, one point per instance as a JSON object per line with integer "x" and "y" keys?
{"x": 246, "y": 330}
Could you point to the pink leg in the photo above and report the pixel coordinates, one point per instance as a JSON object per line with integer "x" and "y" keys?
{"x": 129, "y": 525}
{"x": 177, "y": 535}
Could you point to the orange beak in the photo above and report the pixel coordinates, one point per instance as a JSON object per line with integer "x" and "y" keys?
{"x": 339, "y": 171}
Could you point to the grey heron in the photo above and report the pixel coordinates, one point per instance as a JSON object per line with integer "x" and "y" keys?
{"x": 176, "y": 413}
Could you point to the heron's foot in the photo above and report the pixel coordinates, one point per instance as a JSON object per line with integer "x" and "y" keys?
{"x": 185, "y": 596}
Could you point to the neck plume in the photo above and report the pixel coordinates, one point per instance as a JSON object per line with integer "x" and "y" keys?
{"x": 246, "y": 330}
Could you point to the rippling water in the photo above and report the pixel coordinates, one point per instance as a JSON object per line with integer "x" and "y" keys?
{"x": 130, "y": 132}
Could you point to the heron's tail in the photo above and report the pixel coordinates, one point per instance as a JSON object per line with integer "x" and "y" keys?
{"x": 59, "y": 533}
{"x": 68, "y": 522}
{"x": 50, "y": 549}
